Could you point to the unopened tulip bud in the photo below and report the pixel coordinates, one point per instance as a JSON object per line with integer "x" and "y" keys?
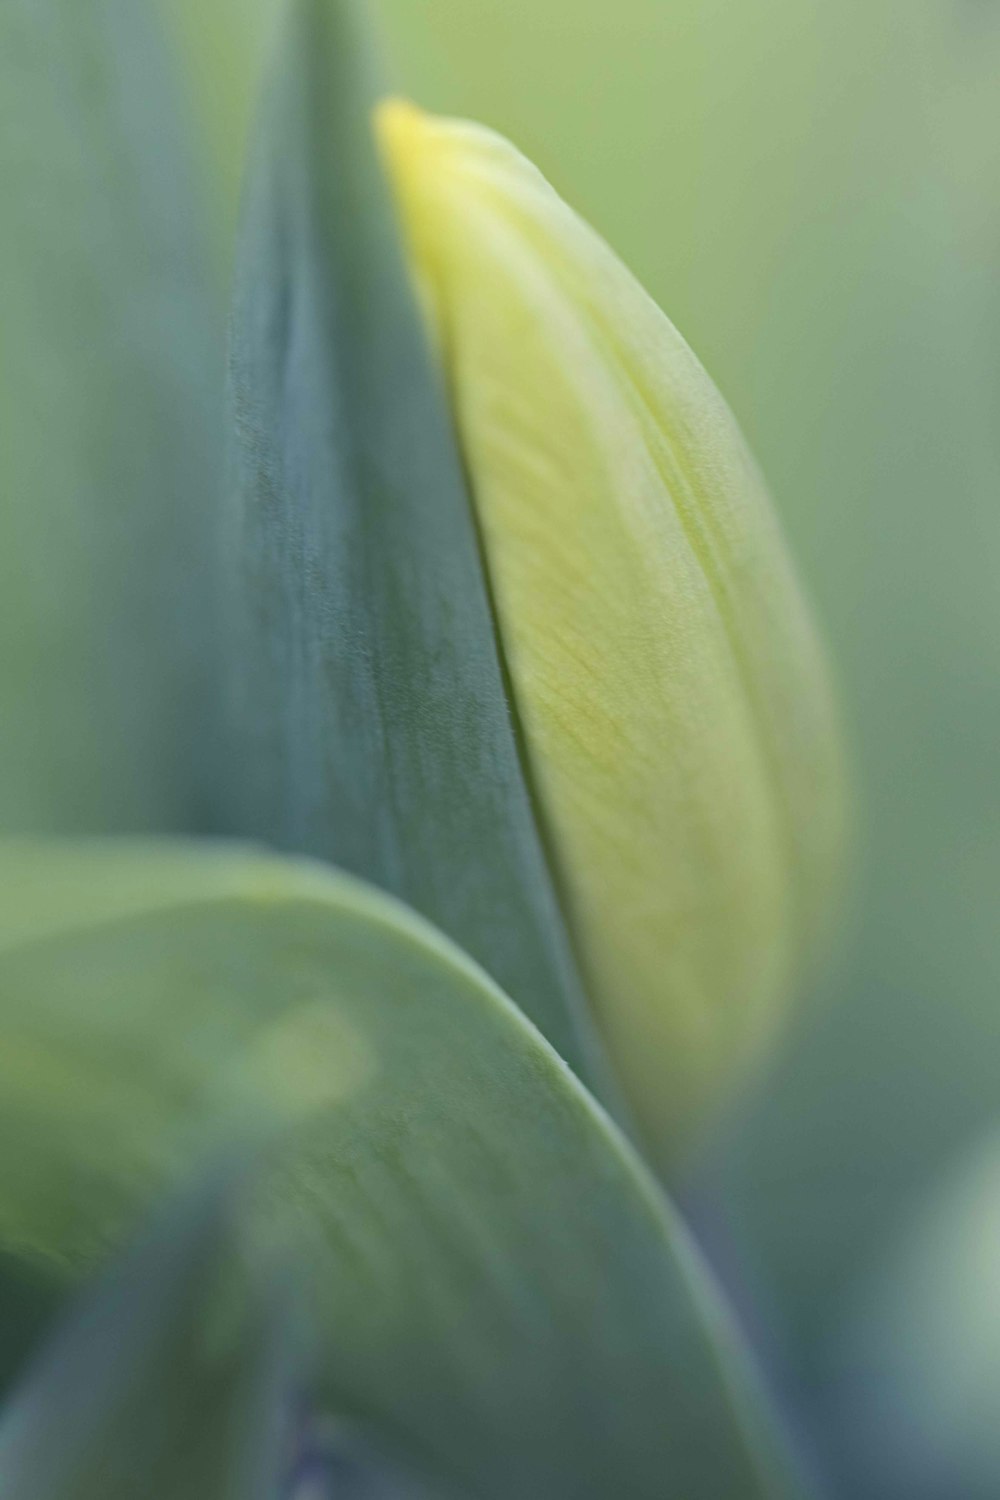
{"x": 675, "y": 708}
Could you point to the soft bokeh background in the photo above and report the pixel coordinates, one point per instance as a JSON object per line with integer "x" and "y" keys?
{"x": 811, "y": 190}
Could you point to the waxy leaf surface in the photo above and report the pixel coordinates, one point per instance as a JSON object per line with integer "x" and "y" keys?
{"x": 111, "y": 368}
{"x": 373, "y": 725}
{"x": 495, "y": 1282}
{"x": 175, "y": 1378}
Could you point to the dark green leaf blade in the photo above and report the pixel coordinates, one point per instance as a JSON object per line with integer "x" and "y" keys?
{"x": 111, "y": 369}
{"x": 374, "y": 727}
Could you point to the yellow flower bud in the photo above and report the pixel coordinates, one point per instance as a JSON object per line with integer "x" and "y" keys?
{"x": 677, "y": 721}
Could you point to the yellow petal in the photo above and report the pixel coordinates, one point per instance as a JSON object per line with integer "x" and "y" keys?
{"x": 677, "y": 720}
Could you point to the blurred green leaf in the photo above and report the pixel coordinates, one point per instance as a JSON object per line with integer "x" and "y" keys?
{"x": 171, "y": 1380}
{"x": 342, "y": 1463}
{"x": 374, "y": 728}
{"x": 496, "y": 1283}
{"x": 109, "y": 367}
{"x": 918, "y": 1354}
{"x": 218, "y": 47}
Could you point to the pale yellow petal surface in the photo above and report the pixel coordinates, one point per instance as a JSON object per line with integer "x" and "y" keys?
{"x": 674, "y": 704}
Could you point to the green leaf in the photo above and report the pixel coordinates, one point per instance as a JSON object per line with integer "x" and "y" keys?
{"x": 374, "y": 724}
{"x": 347, "y": 1465}
{"x": 496, "y": 1283}
{"x": 218, "y": 45}
{"x": 110, "y": 361}
{"x": 172, "y": 1379}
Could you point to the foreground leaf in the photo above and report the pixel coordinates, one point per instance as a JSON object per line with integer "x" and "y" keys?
{"x": 495, "y": 1280}
{"x": 373, "y": 724}
{"x": 172, "y": 1380}
{"x": 109, "y": 368}
{"x": 339, "y": 1462}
